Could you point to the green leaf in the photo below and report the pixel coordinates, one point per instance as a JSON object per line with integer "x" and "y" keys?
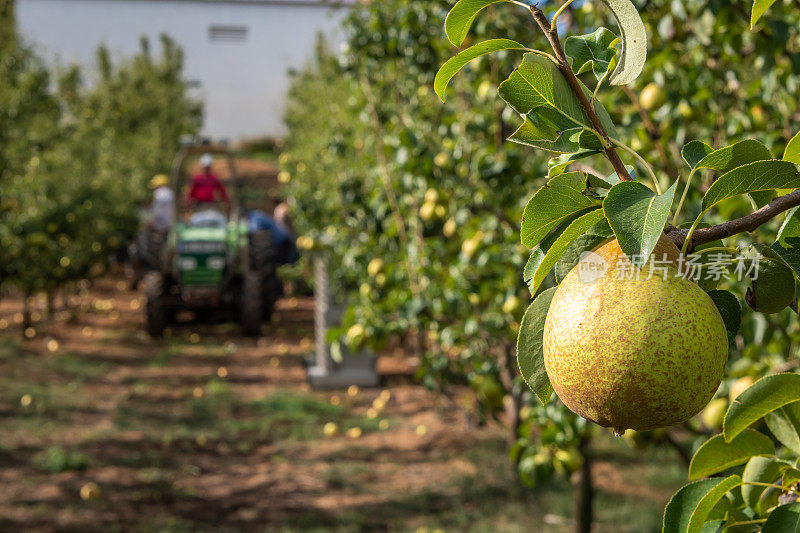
{"x": 792, "y": 152}
{"x": 536, "y": 84}
{"x": 716, "y": 455}
{"x": 460, "y": 18}
{"x": 758, "y": 176}
{"x": 730, "y": 309}
{"x": 634, "y": 42}
{"x": 783, "y": 519}
{"x": 457, "y": 62}
{"x": 530, "y": 356}
{"x": 592, "y": 52}
{"x": 759, "y": 470}
{"x": 789, "y": 252}
{"x": 790, "y": 226}
{"x": 637, "y": 215}
{"x": 759, "y": 8}
{"x": 559, "y": 164}
{"x": 762, "y": 198}
{"x": 738, "y": 154}
{"x": 543, "y": 259}
{"x": 597, "y": 186}
{"x": 537, "y": 131}
{"x": 689, "y": 508}
{"x": 694, "y": 151}
{"x": 764, "y": 396}
{"x": 594, "y": 236}
{"x": 784, "y": 423}
{"x": 553, "y": 204}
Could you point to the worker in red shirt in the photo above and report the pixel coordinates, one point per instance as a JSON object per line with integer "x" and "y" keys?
{"x": 205, "y": 185}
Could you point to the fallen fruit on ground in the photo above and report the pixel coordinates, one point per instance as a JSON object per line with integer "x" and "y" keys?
{"x": 90, "y": 491}
{"x": 628, "y": 350}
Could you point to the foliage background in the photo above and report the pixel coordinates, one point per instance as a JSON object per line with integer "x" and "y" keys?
{"x": 365, "y": 162}
{"x": 77, "y": 153}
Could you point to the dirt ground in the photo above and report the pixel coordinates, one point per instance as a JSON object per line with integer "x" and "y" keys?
{"x": 104, "y": 429}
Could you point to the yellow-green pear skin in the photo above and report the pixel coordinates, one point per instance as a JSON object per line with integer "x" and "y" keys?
{"x": 632, "y": 352}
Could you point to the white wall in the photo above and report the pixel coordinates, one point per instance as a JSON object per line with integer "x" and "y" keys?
{"x": 243, "y": 83}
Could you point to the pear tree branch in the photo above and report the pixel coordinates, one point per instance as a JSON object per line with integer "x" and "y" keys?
{"x": 740, "y": 225}
{"x": 563, "y": 65}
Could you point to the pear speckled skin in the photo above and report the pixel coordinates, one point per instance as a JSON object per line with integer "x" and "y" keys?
{"x": 633, "y": 353}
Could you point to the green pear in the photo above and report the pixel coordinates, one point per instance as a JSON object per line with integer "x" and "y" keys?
{"x": 633, "y": 348}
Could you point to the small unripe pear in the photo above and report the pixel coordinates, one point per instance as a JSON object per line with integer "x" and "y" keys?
{"x": 652, "y": 97}
{"x": 633, "y": 351}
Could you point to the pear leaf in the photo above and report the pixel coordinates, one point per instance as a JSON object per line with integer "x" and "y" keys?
{"x": 460, "y": 18}
{"x": 759, "y": 8}
{"x": 457, "y": 62}
{"x": 561, "y": 198}
{"x": 543, "y": 259}
{"x": 530, "y": 353}
{"x": 689, "y": 508}
{"x": 593, "y": 52}
{"x": 784, "y": 423}
{"x": 792, "y": 152}
{"x": 716, "y": 455}
{"x": 783, "y": 519}
{"x": 758, "y": 176}
{"x": 637, "y": 215}
{"x": 634, "y": 42}
{"x": 694, "y": 151}
{"x": 764, "y": 396}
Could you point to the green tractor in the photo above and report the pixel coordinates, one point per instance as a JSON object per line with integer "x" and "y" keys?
{"x": 212, "y": 263}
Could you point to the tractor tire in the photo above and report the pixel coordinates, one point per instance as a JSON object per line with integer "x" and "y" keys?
{"x": 272, "y": 290}
{"x": 157, "y": 316}
{"x": 252, "y": 304}
{"x": 263, "y": 254}
{"x": 153, "y": 248}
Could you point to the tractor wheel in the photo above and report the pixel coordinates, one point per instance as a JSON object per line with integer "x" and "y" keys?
{"x": 272, "y": 291}
{"x": 155, "y": 290}
{"x": 263, "y": 255}
{"x": 154, "y": 244}
{"x": 252, "y": 310}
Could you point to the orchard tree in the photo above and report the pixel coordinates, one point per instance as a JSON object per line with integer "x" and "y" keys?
{"x": 634, "y": 336}
{"x": 76, "y": 156}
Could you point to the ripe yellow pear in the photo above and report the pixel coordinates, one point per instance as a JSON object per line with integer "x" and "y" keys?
{"x": 714, "y": 414}
{"x": 652, "y": 96}
{"x": 633, "y": 352}
{"x": 739, "y": 386}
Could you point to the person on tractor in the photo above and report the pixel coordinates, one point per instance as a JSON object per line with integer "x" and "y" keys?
{"x": 202, "y": 196}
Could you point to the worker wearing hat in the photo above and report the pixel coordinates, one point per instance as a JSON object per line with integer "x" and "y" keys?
{"x": 161, "y": 214}
{"x": 206, "y": 185}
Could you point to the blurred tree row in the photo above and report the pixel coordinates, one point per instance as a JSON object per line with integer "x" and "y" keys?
{"x": 415, "y": 204}
{"x": 77, "y": 153}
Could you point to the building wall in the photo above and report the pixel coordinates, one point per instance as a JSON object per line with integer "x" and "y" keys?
{"x": 239, "y": 51}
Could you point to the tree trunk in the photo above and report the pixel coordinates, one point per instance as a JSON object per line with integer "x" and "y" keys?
{"x": 507, "y": 374}
{"x": 583, "y": 490}
{"x": 51, "y": 304}
{"x": 26, "y": 312}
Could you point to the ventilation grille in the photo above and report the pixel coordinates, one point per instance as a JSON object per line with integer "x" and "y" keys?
{"x": 229, "y": 34}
